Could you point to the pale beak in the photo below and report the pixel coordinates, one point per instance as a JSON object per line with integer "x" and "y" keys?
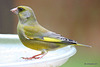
{"x": 14, "y": 10}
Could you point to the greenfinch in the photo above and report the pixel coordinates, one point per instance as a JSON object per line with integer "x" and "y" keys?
{"x": 36, "y": 37}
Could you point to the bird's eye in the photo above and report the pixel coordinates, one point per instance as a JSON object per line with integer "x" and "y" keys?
{"x": 20, "y": 9}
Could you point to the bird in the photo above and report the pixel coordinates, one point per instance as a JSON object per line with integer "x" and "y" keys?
{"x": 35, "y": 36}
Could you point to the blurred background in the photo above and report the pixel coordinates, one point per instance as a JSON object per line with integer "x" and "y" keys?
{"x": 75, "y": 19}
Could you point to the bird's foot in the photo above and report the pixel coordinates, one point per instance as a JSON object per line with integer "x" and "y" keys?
{"x": 27, "y": 58}
{"x": 33, "y": 57}
{"x": 38, "y": 56}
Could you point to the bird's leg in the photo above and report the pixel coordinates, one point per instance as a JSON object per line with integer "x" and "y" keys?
{"x": 43, "y": 53}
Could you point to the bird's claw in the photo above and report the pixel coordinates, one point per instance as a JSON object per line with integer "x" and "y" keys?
{"x": 30, "y": 58}
{"x": 38, "y": 56}
{"x": 34, "y": 57}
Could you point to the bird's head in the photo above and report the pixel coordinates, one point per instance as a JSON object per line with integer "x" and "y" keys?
{"x": 24, "y": 12}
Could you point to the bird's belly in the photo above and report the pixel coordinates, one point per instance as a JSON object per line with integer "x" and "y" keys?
{"x": 39, "y": 45}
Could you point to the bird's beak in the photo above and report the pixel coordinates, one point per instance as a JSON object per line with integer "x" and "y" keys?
{"x": 14, "y": 10}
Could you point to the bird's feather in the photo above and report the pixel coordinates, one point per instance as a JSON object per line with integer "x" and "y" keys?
{"x": 45, "y": 35}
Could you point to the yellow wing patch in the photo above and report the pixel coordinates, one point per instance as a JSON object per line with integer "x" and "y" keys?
{"x": 51, "y": 39}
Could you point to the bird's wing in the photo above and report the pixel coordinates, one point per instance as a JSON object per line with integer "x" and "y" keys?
{"x": 47, "y": 36}
{"x": 53, "y": 37}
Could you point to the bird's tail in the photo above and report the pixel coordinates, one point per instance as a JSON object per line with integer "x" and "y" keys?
{"x": 82, "y": 45}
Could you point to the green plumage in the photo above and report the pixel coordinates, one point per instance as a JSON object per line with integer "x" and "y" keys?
{"x": 34, "y": 36}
